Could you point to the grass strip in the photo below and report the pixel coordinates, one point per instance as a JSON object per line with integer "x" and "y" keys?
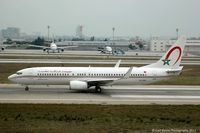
{"x": 97, "y": 118}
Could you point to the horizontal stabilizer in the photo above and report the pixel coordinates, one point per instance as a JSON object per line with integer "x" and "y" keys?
{"x": 175, "y": 70}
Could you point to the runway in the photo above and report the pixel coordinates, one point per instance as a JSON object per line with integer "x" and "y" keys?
{"x": 130, "y": 95}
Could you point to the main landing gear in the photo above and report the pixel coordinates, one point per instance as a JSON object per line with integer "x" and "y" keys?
{"x": 26, "y": 88}
{"x": 98, "y": 89}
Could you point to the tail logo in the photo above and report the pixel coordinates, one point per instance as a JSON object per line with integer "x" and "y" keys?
{"x": 167, "y": 60}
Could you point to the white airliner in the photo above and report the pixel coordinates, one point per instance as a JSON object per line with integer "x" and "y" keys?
{"x": 109, "y": 50}
{"x": 85, "y": 77}
{"x": 53, "y": 47}
{"x": 106, "y": 50}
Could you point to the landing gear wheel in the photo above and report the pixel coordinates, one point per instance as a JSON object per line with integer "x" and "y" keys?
{"x": 98, "y": 89}
{"x": 26, "y": 88}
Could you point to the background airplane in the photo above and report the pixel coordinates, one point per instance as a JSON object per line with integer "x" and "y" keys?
{"x": 79, "y": 78}
{"x": 110, "y": 50}
{"x": 53, "y": 47}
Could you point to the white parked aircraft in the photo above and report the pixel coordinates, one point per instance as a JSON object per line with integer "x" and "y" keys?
{"x": 109, "y": 50}
{"x": 106, "y": 50}
{"x": 86, "y": 77}
{"x": 53, "y": 47}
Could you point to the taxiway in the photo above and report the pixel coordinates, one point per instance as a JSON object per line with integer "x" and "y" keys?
{"x": 151, "y": 94}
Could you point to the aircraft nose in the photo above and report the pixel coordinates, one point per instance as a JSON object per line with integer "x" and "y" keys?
{"x": 11, "y": 77}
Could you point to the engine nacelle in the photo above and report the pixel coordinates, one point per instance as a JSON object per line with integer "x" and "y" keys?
{"x": 44, "y": 49}
{"x": 78, "y": 85}
{"x": 2, "y": 48}
{"x": 62, "y": 50}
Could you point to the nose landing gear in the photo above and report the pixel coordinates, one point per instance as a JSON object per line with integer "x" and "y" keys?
{"x": 26, "y": 88}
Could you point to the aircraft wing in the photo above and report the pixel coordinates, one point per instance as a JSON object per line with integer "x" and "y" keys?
{"x": 102, "y": 82}
{"x": 4, "y": 46}
{"x": 7, "y": 45}
{"x": 37, "y": 46}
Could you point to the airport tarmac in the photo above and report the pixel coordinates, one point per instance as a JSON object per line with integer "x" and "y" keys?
{"x": 130, "y": 95}
{"x": 139, "y": 54}
{"x": 40, "y": 51}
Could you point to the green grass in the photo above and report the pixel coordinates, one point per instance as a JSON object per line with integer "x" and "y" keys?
{"x": 181, "y": 80}
{"x": 97, "y": 118}
{"x": 190, "y": 75}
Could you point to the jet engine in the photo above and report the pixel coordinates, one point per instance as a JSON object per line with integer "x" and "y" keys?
{"x": 2, "y": 48}
{"x": 62, "y": 50}
{"x": 78, "y": 85}
{"x": 44, "y": 49}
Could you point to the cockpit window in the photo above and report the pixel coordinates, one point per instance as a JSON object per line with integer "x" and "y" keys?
{"x": 19, "y": 73}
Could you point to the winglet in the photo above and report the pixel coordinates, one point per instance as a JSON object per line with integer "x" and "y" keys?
{"x": 117, "y": 64}
{"x": 128, "y": 73}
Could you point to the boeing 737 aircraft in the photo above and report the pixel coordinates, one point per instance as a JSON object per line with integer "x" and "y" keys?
{"x": 53, "y": 47}
{"x": 85, "y": 77}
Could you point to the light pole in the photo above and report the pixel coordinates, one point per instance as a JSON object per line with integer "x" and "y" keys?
{"x": 177, "y": 33}
{"x": 113, "y": 29}
{"x": 48, "y": 27}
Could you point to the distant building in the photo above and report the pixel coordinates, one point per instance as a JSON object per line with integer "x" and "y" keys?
{"x": 156, "y": 45}
{"x": 159, "y": 45}
{"x": 79, "y": 31}
{"x": 11, "y": 32}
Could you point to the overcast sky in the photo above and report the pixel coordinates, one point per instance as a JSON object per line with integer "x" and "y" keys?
{"x": 129, "y": 17}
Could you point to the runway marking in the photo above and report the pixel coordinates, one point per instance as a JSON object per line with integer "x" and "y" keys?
{"x": 156, "y": 96}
